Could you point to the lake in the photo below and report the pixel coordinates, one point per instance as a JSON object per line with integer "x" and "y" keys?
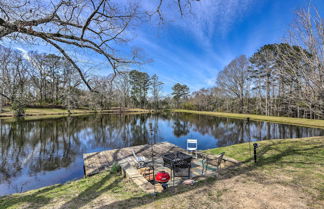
{"x": 39, "y": 153}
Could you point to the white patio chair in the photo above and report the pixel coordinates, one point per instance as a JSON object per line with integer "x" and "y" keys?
{"x": 192, "y": 145}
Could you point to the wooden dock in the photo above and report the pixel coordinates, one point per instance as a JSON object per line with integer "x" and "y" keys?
{"x": 99, "y": 161}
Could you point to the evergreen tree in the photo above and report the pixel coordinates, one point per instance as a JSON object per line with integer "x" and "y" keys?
{"x": 140, "y": 83}
{"x": 179, "y": 92}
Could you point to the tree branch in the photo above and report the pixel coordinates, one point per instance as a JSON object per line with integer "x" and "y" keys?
{"x": 5, "y": 96}
{"x": 70, "y": 60}
{"x": 90, "y": 17}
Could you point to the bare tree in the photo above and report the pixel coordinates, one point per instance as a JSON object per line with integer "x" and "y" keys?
{"x": 156, "y": 87}
{"x": 14, "y": 78}
{"x": 307, "y": 67}
{"x": 204, "y": 99}
{"x": 46, "y": 74}
{"x": 1, "y": 91}
{"x": 123, "y": 87}
{"x": 93, "y": 25}
{"x": 85, "y": 24}
{"x": 69, "y": 86}
{"x": 234, "y": 79}
{"x": 102, "y": 97}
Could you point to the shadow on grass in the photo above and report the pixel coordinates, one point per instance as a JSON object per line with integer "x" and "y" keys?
{"x": 35, "y": 200}
{"x": 91, "y": 193}
{"x": 246, "y": 167}
{"x": 39, "y": 199}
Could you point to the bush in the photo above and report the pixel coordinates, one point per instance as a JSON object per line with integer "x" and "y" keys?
{"x": 188, "y": 106}
{"x": 115, "y": 168}
{"x": 18, "y": 108}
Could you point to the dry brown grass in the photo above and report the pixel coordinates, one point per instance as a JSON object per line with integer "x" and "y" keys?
{"x": 44, "y": 113}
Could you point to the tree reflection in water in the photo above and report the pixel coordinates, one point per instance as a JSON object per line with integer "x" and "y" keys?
{"x": 180, "y": 128}
{"x": 43, "y": 152}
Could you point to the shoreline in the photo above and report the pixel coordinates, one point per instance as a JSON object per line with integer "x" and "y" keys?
{"x": 47, "y": 113}
{"x": 310, "y": 123}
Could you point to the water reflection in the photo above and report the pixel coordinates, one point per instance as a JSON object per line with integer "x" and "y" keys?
{"x": 233, "y": 131}
{"x": 180, "y": 128}
{"x": 44, "y": 152}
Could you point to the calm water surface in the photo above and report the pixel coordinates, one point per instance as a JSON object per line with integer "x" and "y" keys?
{"x": 39, "y": 153}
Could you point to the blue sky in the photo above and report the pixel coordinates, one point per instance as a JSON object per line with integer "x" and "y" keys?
{"x": 192, "y": 49}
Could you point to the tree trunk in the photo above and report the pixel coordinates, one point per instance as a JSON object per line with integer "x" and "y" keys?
{"x": 242, "y": 103}
{"x": 268, "y": 94}
{"x": 1, "y": 104}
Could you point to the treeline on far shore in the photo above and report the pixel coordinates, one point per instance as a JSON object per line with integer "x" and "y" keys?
{"x": 280, "y": 79}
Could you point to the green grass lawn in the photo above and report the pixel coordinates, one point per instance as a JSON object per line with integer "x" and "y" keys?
{"x": 301, "y": 161}
{"x": 74, "y": 194}
{"x": 283, "y": 120}
{"x": 294, "y": 165}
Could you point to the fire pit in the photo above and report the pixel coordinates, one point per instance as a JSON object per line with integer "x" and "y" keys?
{"x": 178, "y": 162}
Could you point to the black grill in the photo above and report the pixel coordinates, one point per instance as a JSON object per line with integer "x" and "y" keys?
{"x": 179, "y": 163}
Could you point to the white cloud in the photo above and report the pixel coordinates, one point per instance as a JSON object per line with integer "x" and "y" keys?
{"x": 24, "y": 53}
{"x": 175, "y": 64}
{"x": 210, "y": 17}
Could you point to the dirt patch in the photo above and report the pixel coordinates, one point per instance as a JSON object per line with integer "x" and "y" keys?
{"x": 242, "y": 191}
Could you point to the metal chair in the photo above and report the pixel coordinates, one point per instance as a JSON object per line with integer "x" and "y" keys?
{"x": 215, "y": 162}
{"x": 140, "y": 160}
{"x": 192, "y": 145}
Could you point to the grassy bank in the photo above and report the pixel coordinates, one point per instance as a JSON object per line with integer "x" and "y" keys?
{"x": 289, "y": 174}
{"x": 36, "y": 112}
{"x": 74, "y": 194}
{"x": 284, "y": 120}
{"x": 300, "y": 161}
